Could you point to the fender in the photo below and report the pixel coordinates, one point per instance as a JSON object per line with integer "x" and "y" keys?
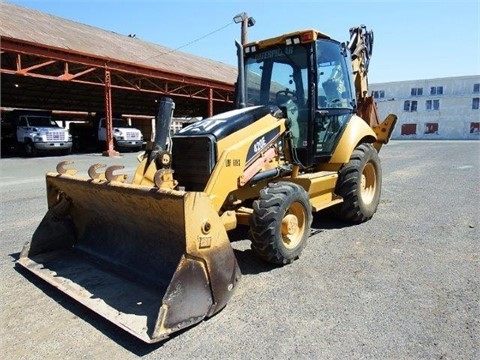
{"x": 356, "y": 131}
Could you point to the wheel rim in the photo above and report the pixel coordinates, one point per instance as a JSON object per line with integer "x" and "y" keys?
{"x": 293, "y": 226}
{"x": 29, "y": 149}
{"x": 368, "y": 183}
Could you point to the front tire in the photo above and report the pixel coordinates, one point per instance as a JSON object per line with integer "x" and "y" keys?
{"x": 359, "y": 183}
{"x": 30, "y": 149}
{"x": 117, "y": 147}
{"x": 280, "y": 223}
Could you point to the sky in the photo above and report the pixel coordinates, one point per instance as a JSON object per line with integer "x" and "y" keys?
{"x": 420, "y": 39}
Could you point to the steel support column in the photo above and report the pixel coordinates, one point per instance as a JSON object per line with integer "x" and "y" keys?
{"x": 110, "y": 151}
{"x": 210, "y": 102}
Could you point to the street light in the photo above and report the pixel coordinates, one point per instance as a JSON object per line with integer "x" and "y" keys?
{"x": 246, "y": 22}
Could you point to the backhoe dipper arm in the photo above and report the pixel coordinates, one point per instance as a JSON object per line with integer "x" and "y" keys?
{"x": 361, "y": 46}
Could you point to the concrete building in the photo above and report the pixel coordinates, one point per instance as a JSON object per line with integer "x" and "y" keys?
{"x": 442, "y": 108}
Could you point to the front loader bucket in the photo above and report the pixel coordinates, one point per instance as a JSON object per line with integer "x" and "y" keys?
{"x": 151, "y": 261}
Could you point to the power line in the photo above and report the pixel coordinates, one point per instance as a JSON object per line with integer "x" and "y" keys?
{"x": 191, "y": 42}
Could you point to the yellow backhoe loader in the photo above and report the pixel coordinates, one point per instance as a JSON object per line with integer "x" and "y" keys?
{"x": 152, "y": 255}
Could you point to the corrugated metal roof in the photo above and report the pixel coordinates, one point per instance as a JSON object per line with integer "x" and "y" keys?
{"x": 34, "y": 26}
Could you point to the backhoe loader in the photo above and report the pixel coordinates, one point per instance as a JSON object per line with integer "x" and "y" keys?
{"x": 152, "y": 255}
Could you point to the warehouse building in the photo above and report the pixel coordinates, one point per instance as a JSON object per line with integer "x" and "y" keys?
{"x": 442, "y": 108}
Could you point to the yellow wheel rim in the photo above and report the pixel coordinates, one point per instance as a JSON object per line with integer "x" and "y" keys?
{"x": 293, "y": 225}
{"x": 368, "y": 183}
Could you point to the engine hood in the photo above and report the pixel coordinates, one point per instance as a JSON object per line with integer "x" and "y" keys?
{"x": 122, "y": 129}
{"x": 45, "y": 130}
{"x": 222, "y": 125}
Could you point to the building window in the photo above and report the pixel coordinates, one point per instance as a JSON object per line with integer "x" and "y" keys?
{"x": 436, "y": 90}
{"x": 410, "y": 105}
{"x": 476, "y": 88}
{"x": 475, "y": 128}
{"x": 432, "y": 104}
{"x": 409, "y": 129}
{"x": 431, "y": 128}
{"x": 413, "y": 106}
{"x": 416, "y": 91}
{"x": 475, "y": 103}
{"x": 378, "y": 94}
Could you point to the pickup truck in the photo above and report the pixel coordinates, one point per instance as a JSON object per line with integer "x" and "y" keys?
{"x": 93, "y": 135}
{"x": 34, "y": 131}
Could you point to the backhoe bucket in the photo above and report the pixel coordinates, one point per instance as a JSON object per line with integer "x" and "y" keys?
{"x": 151, "y": 261}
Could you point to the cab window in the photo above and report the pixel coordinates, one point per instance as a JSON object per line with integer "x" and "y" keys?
{"x": 279, "y": 76}
{"x": 333, "y": 86}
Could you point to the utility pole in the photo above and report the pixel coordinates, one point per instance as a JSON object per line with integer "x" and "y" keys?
{"x": 246, "y": 22}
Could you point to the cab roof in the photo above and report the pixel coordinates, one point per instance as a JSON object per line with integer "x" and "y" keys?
{"x": 307, "y": 35}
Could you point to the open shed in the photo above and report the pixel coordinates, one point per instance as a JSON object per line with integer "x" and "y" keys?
{"x": 52, "y": 63}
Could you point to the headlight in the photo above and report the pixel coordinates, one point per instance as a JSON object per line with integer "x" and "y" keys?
{"x": 69, "y": 137}
{"x": 117, "y": 134}
{"x": 37, "y": 138}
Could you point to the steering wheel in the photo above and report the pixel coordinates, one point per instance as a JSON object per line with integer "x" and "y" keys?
{"x": 282, "y": 96}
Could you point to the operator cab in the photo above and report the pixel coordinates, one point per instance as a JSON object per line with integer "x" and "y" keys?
{"x": 305, "y": 74}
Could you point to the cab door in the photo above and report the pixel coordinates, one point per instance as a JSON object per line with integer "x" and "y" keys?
{"x": 334, "y": 98}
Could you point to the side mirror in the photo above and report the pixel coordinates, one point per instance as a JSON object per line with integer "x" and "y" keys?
{"x": 343, "y": 49}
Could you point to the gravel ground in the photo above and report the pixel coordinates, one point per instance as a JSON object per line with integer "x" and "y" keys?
{"x": 404, "y": 285}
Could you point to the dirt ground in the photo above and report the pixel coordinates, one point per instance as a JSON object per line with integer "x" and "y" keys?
{"x": 404, "y": 285}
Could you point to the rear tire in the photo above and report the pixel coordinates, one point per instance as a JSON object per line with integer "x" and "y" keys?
{"x": 280, "y": 223}
{"x": 359, "y": 183}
